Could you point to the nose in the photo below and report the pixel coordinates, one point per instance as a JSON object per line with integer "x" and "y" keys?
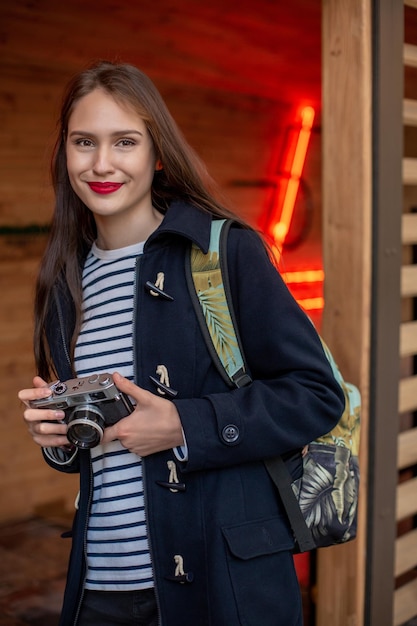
{"x": 103, "y": 163}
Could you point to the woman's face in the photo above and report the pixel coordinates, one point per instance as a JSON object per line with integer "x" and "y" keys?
{"x": 110, "y": 159}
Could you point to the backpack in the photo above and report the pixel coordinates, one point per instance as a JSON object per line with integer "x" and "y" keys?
{"x": 321, "y": 505}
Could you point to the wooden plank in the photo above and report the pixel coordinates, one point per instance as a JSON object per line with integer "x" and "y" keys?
{"x": 405, "y": 553}
{"x": 200, "y": 44}
{"x": 346, "y": 111}
{"x": 406, "y": 499}
{"x": 405, "y": 603}
{"x": 407, "y": 397}
{"x": 407, "y": 449}
{"x": 409, "y": 171}
{"x": 409, "y": 228}
{"x": 410, "y": 55}
{"x": 408, "y": 338}
{"x": 410, "y": 112}
{"x": 408, "y": 281}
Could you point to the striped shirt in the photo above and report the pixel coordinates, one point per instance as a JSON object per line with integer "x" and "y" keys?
{"x": 118, "y": 556}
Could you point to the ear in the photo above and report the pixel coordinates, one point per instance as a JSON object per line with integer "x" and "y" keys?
{"x": 158, "y": 165}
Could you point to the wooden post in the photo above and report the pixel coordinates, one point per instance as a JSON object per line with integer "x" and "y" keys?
{"x": 347, "y": 218}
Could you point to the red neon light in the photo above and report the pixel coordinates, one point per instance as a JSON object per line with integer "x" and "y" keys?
{"x": 281, "y": 228}
{"x": 304, "y": 276}
{"x": 311, "y": 304}
{"x": 296, "y": 155}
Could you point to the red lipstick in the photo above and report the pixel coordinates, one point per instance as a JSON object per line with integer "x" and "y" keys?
{"x": 104, "y": 188}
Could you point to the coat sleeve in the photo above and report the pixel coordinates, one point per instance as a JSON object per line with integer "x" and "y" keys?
{"x": 293, "y": 397}
{"x": 61, "y": 460}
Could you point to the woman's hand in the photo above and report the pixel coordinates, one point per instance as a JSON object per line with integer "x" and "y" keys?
{"x": 153, "y": 426}
{"x": 43, "y": 424}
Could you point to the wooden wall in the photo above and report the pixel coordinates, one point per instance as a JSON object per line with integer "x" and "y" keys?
{"x": 233, "y": 78}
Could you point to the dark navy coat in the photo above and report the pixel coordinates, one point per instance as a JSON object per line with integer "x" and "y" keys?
{"x": 224, "y": 519}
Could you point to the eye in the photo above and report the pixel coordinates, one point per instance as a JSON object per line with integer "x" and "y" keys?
{"x": 126, "y": 143}
{"x": 83, "y": 143}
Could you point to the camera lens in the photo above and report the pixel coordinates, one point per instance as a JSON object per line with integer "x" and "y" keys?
{"x": 86, "y": 427}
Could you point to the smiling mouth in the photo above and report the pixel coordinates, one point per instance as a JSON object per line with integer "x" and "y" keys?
{"x": 104, "y": 188}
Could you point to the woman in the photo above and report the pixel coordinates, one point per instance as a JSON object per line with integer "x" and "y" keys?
{"x": 178, "y": 522}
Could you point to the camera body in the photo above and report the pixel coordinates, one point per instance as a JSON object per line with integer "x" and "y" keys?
{"x": 90, "y": 404}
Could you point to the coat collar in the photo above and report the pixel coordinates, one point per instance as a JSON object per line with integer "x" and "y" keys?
{"x": 185, "y": 220}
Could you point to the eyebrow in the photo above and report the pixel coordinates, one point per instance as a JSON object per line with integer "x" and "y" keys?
{"x": 116, "y": 133}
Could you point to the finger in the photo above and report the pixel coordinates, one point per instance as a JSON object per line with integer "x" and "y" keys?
{"x": 109, "y": 434}
{"x": 25, "y": 395}
{"x": 50, "y": 441}
{"x": 47, "y": 434}
{"x": 129, "y": 388}
{"x": 48, "y": 428}
{"x": 43, "y": 415}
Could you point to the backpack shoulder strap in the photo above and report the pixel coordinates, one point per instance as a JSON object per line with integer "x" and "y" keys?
{"x": 282, "y": 480}
{"x": 208, "y": 283}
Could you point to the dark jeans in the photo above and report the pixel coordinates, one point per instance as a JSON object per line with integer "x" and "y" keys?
{"x": 121, "y": 608}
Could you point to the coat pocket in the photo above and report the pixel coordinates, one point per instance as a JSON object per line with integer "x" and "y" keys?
{"x": 262, "y": 573}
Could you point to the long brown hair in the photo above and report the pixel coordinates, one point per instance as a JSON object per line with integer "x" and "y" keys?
{"x": 73, "y": 227}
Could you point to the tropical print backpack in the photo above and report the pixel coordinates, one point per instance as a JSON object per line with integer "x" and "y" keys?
{"x": 322, "y": 504}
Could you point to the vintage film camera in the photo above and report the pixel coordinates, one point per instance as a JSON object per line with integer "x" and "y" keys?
{"x": 90, "y": 404}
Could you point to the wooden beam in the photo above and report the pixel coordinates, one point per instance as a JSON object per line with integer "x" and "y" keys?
{"x": 407, "y": 400}
{"x": 405, "y": 603}
{"x": 408, "y": 339}
{"x": 410, "y": 55}
{"x": 409, "y": 171}
{"x": 347, "y": 211}
{"x": 405, "y": 548}
{"x": 409, "y": 281}
{"x": 410, "y": 112}
{"x": 407, "y": 450}
{"x": 362, "y": 255}
{"x": 409, "y": 228}
{"x": 406, "y": 499}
